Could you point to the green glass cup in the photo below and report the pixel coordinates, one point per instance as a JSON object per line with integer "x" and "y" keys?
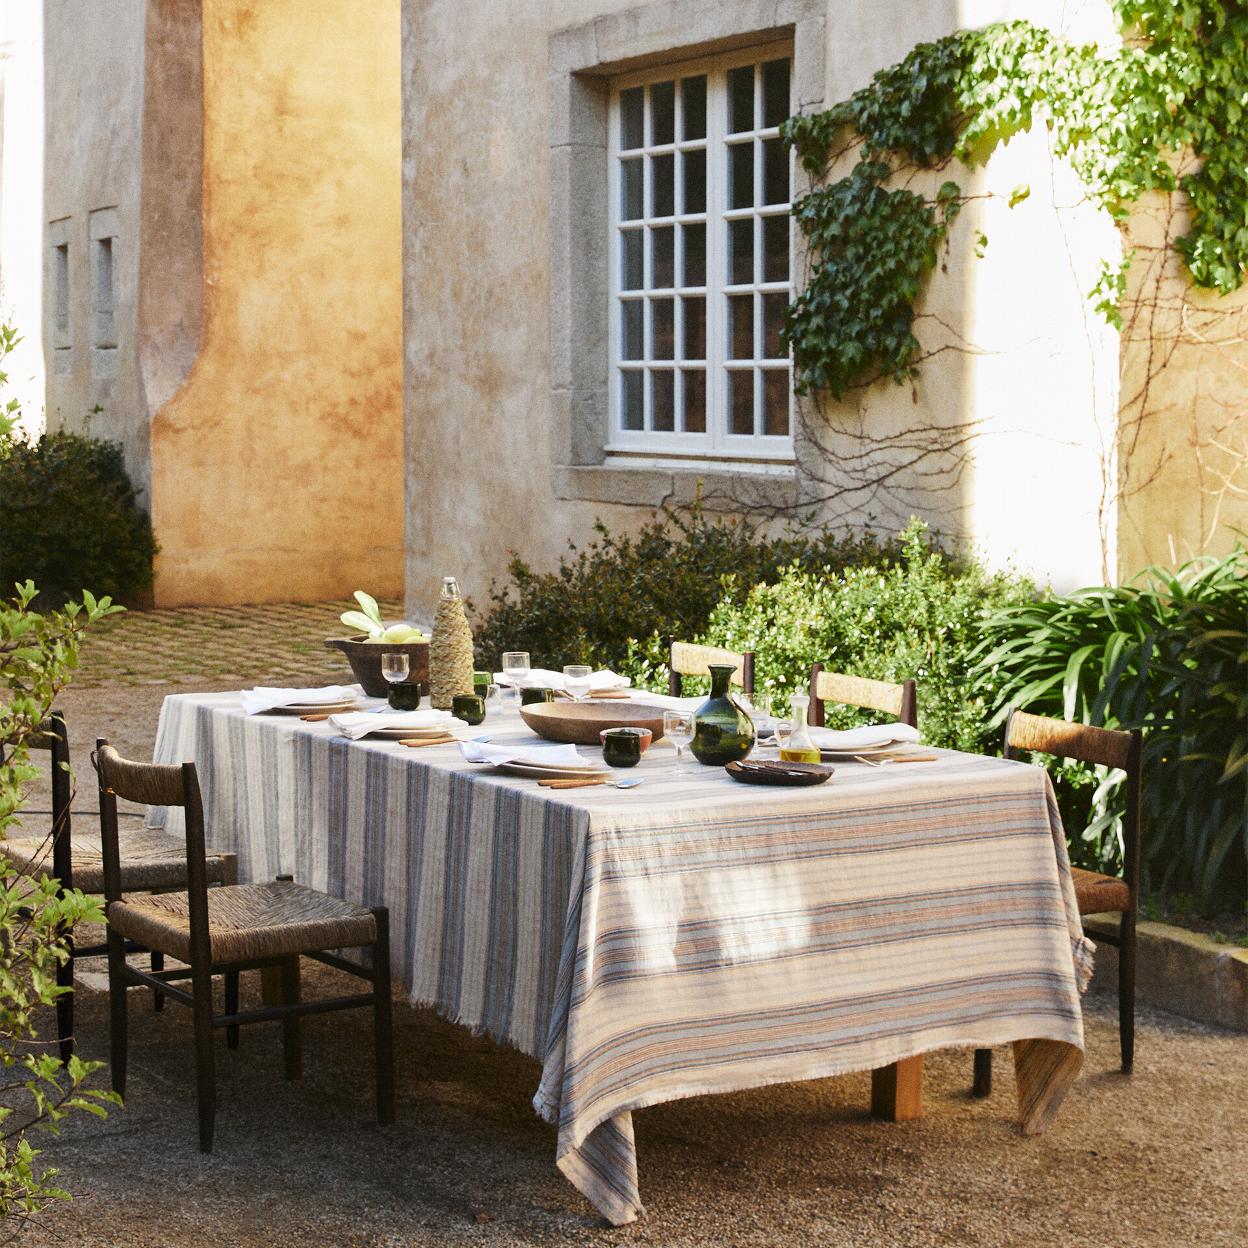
{"x": 469, "y": 707}
{"x": 623, "y": 747}
{"x": 529, "y": 696}
{"x": 481, "y": 682}
{"x": 405, "y": 697}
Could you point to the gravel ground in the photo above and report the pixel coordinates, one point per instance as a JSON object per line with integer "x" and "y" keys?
{"x": 1159, "y": 1158}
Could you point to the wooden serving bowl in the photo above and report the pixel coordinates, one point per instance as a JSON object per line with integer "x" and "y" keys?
{"x": 365, "y": 659}
{"x": 579, "y": 723}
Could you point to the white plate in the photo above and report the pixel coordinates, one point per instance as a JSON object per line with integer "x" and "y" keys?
{"x": 315, "y": 708}
{"x": 873, "y": 753}
{"x": 539, "y": 771}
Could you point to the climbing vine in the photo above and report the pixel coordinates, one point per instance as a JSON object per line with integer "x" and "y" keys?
{"x": 1179, "y": 84}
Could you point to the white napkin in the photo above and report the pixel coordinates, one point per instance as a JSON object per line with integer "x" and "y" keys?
{"x": 539, "y": 755}
{"x": 263, "y": 698}
{"x": 543, "y": 678}
{"x": 360, "y": 723}
{"x": 869, "y": 738}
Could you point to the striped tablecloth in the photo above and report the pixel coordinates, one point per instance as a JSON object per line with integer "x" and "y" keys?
{"x": 687, "y": 936}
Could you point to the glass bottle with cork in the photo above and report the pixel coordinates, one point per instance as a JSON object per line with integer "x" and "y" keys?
{"x": 800, "y": 747}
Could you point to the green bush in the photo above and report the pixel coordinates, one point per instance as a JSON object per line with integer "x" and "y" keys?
{"x": 917, "y": 616}
{"x": 619, "y": 593}
{"x": 1168, "y": 654}
{"x": 69, "y": 517}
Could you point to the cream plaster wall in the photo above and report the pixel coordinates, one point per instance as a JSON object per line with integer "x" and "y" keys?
{"x": 93, "y": 74}
{"x": 277, "y": 466}
{"x": 21, "y": 205}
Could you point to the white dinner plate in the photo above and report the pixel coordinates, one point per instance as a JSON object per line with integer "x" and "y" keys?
{"x": 315, "y": 708}
{"x": 540, "y": 771}
{"x": 873, "y": 753}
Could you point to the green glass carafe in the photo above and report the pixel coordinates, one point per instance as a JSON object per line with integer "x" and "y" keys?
{"x": 722, "y": 731}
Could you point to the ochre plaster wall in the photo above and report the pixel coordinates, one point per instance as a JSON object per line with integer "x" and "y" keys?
{"x": 277, "y": 467}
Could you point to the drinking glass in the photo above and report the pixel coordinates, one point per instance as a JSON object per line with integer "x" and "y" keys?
{"x": 516, "y": 668}
{"x": 780, "y": 737}
{"x": 759, "y": 710}
{"x": 395, "y": 667}
{"x": 678, "y": 729}
{"x": 576, "y": 680}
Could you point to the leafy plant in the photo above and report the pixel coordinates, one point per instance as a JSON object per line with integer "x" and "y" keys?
{"x": 37, "y": 654}
{"x": 615, "y": 597}
{"x": 369, "y": 622}
{"x": 1168, "y": 654}
{"x": 1119, "y": 115}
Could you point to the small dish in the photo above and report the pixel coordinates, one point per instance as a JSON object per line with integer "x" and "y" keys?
{"x": 794, "y": 774}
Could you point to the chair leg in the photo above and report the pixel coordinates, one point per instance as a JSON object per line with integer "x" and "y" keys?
{"x": 383, "y": 1024}
{"x": 231, "y": 1007}
{"x": 117, "y": 1011}
{"x": 292, "y": 1031}
{"x": 158, "y": 997}
{"x": 1126, "y": 991}
{"x": 983, "y": 1073}
{"x": 65, "y": 1002}
{"x": 205, "y": 1072}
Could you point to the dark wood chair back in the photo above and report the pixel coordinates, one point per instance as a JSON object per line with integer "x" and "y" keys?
{"x": 687, "y": 659}
{"x": 870, "y": 695}
{"x": 53, "y": 736}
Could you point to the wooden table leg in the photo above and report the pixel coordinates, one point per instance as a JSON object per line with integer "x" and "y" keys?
{"x": 897, "y": 1090}
{"x": 1043, "y": 1071}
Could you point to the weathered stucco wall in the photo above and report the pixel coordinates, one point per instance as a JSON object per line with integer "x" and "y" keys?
{"x": 277, "y": 467}
{"x": 93, "y": 76}
{"x": 1183, "y": 437}
{"x": 479, "y": 186}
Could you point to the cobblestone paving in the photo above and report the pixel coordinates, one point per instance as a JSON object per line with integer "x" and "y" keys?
{"x": 189, "y": 645}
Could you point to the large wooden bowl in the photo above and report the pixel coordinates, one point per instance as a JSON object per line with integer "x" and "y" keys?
{"x": 365, "y": 659}
{"x": 579, "y": 723}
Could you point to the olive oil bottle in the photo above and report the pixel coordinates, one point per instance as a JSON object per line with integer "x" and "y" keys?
{"x": 799, "y": 748}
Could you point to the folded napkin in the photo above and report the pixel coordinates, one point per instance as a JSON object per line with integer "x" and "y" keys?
{"x": 543, "y": 678}
{"x": 533, "y": 755}
{"x": 263, "y": 698}
{"x": 869, "y": 738}
{"x": 359, "y": 724}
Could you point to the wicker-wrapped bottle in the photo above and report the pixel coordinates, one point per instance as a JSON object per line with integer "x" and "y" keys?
{"x": 450, "y": 649}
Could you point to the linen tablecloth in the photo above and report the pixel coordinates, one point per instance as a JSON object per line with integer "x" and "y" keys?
{"x": 690, "y": 935}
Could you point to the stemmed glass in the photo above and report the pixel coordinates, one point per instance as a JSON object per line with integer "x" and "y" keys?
{"x": 516, "y": 668}
{"x": 678, "y": 729}
{"x": 576, "y": 680}
{"x": 758, "y": 708}
{"x": 395, "y": 667}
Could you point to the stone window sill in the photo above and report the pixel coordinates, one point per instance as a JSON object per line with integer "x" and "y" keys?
{"x": 720, "y": 487}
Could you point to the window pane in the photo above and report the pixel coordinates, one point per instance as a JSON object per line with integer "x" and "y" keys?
{"x": 773, "y": 318}
{"x": 694, "y": 313}
{"x": 630, "y": 260}
{"x": 662, "y": 112}
{"x": 741, "y": 402}
{"x": 662, "y": 172}
{"x": 693, "y": 102}
{"x": 776, "y": 402}
{"x": 775, "y": 249}
{"x": 662, "y": 256}
{"x": 662, "y": 329}
{"x": 694, "y": 384}
{"x": 741, "y": 327}
{"x": 775, "y": 93}
{"x": 741, "y": 252}
{"x": 632, "y": 346}
{"x": 775, "y": 172}
{"x": 630, "y": 190}
{"x": 741, "y": 99}
{"x": 741, "y": 175}
{"x": 694, "y": 166}
{"x": 631, "y": 414}
{"x": 694, "y": 239}
{"x": 663, "y": 401}
{"x": 631, "y": 129}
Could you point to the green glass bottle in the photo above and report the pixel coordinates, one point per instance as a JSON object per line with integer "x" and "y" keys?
{"x": 722, "y": 731}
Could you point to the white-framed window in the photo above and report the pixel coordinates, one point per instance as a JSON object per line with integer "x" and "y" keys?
{"x": 701, "y": 265}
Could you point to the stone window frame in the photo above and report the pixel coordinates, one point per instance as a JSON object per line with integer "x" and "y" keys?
{"x": 582, "y": 61}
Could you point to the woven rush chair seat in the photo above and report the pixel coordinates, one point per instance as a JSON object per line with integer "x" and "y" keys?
{"x": 246, "y": 922}
{"x": 1100, "y": 894}
{"x": 149, "y": 859}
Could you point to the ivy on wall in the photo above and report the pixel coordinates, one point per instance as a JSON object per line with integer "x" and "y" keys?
{"x": 1178, "y": 84}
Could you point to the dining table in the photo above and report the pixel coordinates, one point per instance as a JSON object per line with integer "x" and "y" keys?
{"x": 686, "y": 936}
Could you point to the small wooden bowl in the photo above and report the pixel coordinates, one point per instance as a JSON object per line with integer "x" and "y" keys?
{"x": 579, "y": 723}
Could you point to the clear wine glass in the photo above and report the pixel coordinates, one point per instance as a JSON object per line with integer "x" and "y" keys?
{"x": 678, "y": 729}
{"x": 759, "y": 710}
{"x": 576, "y": 680}
{"x": 395, "y": 667}
{"x": 516, "y": 668}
